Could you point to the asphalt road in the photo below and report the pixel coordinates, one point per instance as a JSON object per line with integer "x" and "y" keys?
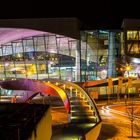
{"x": 117, "y": 125}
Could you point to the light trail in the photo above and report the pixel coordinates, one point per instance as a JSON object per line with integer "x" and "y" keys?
{"x": 107, "y": 109}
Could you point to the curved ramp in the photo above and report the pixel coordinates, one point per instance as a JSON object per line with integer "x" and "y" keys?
{"x": 30, "y": 85}
{"x": 36, "y": 87}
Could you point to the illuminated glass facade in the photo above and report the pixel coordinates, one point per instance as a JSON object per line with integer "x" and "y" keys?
{"x": 58, "y": 48}
{"x": 37, "y": 57}
{"x": 49, "y": 55}
{"x": 131, "y": 39}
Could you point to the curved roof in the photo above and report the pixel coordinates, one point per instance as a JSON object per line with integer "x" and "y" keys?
{"x": 63, "y": 26}
{"x": 10, "y": 34}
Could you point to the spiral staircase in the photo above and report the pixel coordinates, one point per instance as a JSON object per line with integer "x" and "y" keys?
{"x": 82, "y": 108}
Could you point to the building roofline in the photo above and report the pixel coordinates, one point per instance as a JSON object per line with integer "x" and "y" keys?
{"x": 64, "y": 26}
{"x": 133, "y": 24}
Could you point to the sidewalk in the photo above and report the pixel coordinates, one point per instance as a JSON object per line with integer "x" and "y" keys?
{"x": 70, "y": 131}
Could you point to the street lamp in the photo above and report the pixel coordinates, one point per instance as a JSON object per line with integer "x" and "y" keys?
{"x": 128, "y": 68}
{"x": 124, "y": 68}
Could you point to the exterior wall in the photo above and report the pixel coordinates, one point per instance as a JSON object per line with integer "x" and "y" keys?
{"x": 43, "y": 130}
{"x": 131, "y": 37}
{"x": 94, "y": 132}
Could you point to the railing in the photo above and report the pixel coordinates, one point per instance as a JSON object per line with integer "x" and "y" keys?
{"x": 91, "y": 102}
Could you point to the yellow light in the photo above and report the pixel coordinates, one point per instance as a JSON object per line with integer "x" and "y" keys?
{"x": 29, "y": 73}
{"x": 56, "y": 83}
{"x": 128, "y": 68}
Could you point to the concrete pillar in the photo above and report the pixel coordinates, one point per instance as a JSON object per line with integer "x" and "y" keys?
{"x": 111, "y": 55}
{"x": 78, "y": 62}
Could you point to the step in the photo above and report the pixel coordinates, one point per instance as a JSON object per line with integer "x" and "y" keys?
{"x": 84, "y": 107}
{"x": 78, "y": 102}
{"x": 83, "y": 113}
{"x": 76, "y": 98}
{"x": 83, "y": 119}
{"x": 76, "y": 95}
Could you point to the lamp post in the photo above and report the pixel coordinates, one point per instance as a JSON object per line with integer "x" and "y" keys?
{"x": 128, "y": 68}
{"x": 124, "y": 70}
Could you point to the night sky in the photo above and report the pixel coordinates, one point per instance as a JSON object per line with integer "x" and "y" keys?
{"x": 92, "y": 13}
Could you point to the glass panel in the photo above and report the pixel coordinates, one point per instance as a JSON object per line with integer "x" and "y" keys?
{"x": 133, "y": 48}
{"x": 31, "y": 71}
{"x": 73, "y": 48}
{"x": 2, "y": 75}
{"x": 52, "y": 48}
{"x": 7, "y": 49}
{"x": 28, "y": 45}
{"x": 10, "y": 69}
{"x": 17, "y": 47}
{"x": 132, "y": 35}
{"x": 39, "y": 43}
{"x": 63, "y": 46}
{"x": 53, "y": 72}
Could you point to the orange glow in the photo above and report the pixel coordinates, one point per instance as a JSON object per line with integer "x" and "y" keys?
{"x": 29, "y": 73}
{"x": 61, "y": 93}
{"x": 128, "y": 68}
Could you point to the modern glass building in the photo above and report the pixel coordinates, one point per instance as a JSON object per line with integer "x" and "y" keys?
{"x": 59, "y": 48}
{"x": 131, "y": 35}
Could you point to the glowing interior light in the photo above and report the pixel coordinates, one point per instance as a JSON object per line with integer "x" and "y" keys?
{"x": 29, "y": 73}
{"x": 18, "y": 55}
{"x": 56, "y": 83}
{"x": 6, "y": 64}
{"x": 64, "y": 86}
{"x": 136, "y": 60}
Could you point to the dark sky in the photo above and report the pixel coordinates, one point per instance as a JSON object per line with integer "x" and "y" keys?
{"x": 93, "y": 13}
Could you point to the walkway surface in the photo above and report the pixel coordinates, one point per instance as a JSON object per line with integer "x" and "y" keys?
{"x": 113, "y": 127}
{"x": 70, "y": 131}
{"x": 62, "y": 130}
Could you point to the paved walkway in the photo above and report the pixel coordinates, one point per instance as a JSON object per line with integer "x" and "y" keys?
{"x": 70, "y": 131}
{"x": 62, "y": 130}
